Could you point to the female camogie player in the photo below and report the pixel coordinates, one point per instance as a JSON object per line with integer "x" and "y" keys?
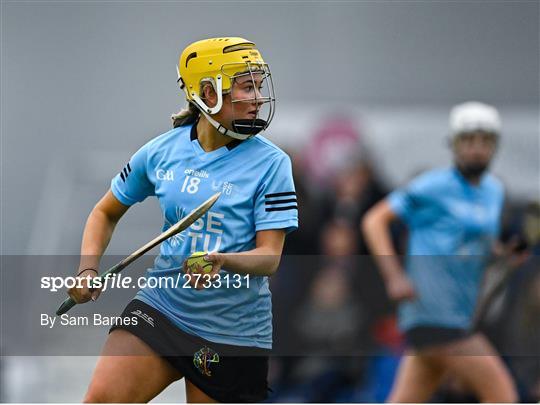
{"x": 215, "y": 331}
{"x": 453, "y": 219}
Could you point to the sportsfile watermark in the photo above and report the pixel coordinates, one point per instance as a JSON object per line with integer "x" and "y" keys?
{"x": 119, "y": 281}
{"x": 329, "y": 305}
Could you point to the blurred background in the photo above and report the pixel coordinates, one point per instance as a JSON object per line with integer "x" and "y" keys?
{"x": 364, "y": 90}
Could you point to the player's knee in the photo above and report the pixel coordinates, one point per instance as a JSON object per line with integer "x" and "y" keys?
{"x": 98, "y": 393}
{"x": 508, "y": 395}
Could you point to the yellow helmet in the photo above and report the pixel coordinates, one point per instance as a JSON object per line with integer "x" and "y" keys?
{"x": 218, "y": 61}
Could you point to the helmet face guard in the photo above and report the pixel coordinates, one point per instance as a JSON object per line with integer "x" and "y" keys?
{"x": 252, "y": 87}
{"x": 235, "y": 67}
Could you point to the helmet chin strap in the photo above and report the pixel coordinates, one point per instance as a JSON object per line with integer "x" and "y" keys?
{"x": 224, "y": 131}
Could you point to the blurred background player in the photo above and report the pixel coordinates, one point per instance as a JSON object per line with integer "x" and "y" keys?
{"x": 191, "y": 330}
{"x": 453, "y": 219}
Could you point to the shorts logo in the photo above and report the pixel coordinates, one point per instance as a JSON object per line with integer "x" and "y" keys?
{"x": 203, "y": 359}
{"x": 148, "y": 319}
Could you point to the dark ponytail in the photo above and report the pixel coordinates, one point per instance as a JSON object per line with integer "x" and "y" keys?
{"x": 185, "y": 116}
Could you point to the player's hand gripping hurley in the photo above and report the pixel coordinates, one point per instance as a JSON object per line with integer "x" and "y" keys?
{"x": 173, "y": 230}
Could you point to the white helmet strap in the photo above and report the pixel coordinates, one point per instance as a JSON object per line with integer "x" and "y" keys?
{"x": 219, "y": 90}
{"x": 205, "y": 110}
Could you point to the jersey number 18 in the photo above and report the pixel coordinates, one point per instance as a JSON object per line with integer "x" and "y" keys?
{"x": 191, "y": 185}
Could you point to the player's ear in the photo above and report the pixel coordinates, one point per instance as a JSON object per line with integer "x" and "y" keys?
{"x": 209, "y": 95}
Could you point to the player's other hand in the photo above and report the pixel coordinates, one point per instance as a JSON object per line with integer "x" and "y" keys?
{"x": 515, "y": 251}
{"x": 199, "y": 279}
{"x": 399, "y": 288}
{"x": 82, "y": 292}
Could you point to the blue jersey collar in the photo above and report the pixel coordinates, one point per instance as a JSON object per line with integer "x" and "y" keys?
{"x": 230, "y": 146}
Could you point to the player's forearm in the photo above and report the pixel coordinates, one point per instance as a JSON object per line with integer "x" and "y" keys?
{"x": 96, "y": 237}
{"x": 257, "y": 262}
{"x": 377, "y": 235}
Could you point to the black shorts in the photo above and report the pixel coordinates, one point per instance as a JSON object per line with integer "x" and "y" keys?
{"x": 223, "y": 372}
{"x": 422, "y": 337}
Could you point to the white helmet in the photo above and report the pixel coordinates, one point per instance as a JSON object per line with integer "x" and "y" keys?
{"x": 474, "y": 116}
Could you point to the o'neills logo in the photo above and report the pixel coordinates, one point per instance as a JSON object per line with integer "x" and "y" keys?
{"x": 148, "y": 319}
{"x": 197, "y": 173}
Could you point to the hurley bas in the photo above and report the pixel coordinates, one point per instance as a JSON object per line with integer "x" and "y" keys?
{"x": 94, "y": 320}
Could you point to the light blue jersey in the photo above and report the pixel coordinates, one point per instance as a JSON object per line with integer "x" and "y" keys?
{"x": 255, "y": 178}
{"x": 452, "y": 226}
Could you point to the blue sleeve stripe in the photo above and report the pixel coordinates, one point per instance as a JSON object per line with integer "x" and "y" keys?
{"x": 287, "y": 225}
{"x": 280, "y": 194}
{"x": 286, "y": 208}
{"x": 290, "y": 200}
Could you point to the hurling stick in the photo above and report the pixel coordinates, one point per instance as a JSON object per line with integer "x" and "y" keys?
{"x": 181, "y": 225}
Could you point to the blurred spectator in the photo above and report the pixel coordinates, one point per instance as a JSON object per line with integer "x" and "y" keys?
{"x": 335, "y": 315}
{"x": 354, "y": 190}
{"x": 331, "y": 319}
{"x": 338, "y": 240}
{"x": 329, "y": 326}
{"x": 310, "y": 217}
{"x": 333, "y": 147}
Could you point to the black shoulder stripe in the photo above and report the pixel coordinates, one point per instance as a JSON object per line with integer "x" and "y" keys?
{"x": 125, "y": 172}
{"x": 280, "y": 194}
{"x": 290, "y": 200}
{"x": 285, "y": 208}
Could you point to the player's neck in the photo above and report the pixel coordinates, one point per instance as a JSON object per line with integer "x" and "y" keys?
{"x": 209, "y": 138}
